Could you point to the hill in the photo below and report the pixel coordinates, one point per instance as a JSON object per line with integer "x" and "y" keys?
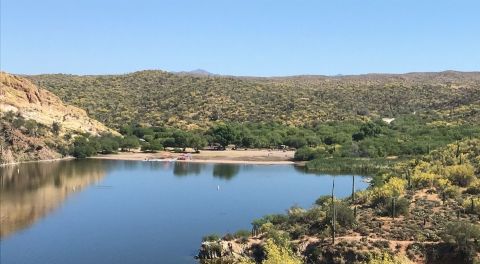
{"x": 34, "y": 121}
{"x": 191, "y": 101}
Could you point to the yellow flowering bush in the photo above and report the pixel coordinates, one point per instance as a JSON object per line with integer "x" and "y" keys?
{"x": 462, "y": 174}
{"x": 277, "y": 254}
{"x": 423, "y": 179}
{"x": 472, "y": 205}
{"x": 394, "y": 187}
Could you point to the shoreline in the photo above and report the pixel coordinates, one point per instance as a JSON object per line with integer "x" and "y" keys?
{"x": 31, "y": 161}
{"x": 256, "y": 156}
{"x": 253, "y": 156}
{"x": 218, "y": 161}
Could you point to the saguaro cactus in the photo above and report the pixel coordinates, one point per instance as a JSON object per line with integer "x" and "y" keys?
{"x": 333, "y": 211}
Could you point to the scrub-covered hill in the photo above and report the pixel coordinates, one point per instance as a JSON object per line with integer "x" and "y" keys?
{"x": 189, "y": 100}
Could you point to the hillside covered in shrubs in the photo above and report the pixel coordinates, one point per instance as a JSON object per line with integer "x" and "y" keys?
{"x": 161, "y": 98}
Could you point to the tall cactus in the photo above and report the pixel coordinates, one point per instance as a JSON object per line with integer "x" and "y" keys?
{"x": 353, "y": 189}
{"x": 333, "y": 211}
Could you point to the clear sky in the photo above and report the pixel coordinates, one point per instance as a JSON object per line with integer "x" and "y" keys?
{"x": 239, "y": 37}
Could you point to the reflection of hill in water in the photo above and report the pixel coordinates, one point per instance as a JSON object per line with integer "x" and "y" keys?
{"x": 35, "y": 189}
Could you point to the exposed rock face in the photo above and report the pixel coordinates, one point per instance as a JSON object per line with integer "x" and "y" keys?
{"x": 30, "y": 102}
{"x": 215, "y": 250}
{"x": 229, "y": 251}
{"x": 20, "y": 95}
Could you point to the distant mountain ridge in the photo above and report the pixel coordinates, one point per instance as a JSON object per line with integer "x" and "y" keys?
{"x": 197, "y": 72}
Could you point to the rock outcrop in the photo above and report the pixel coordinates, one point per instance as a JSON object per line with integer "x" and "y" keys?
{"x": 19, "y": 95}
{"x": 28, "y": 114}
{"x": 229, "y": 251}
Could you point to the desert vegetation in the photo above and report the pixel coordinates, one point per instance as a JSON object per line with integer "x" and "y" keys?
{"x": 420, "y": 210}
{"x": 159, "y": 98}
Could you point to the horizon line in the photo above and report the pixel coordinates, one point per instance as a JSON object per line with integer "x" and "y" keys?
{"x": 206, "y": 73}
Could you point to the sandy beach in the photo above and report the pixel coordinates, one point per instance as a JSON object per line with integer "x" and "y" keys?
{"x": 251, "y": 156}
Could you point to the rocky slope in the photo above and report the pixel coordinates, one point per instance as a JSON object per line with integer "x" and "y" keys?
{"x": 20, "y": 95}
{"x": 28, "y": 116}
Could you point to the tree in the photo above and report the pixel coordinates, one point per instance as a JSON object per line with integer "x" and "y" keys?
{"x": 223, "y": 134}
{"x": 306, "y": 153}
{"x": 197, "y": 142}
{"x": 295, "y": 141}
{"x": 371, "y": 129}
{"x": 56, "y": 127}
{"x": 181, "y": 139}
{"x": 153, "y": 146}
{"x": 32, "y": 127}
{"x": 129, "y": 142}
{"x": 108, "y": 144}
{"x": 82, "y": 148}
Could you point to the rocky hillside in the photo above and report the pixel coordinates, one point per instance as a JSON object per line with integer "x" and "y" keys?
{"x": 34, "y": 121}
{"x": 20, "y": 95}
{"x": 189, "y": 101}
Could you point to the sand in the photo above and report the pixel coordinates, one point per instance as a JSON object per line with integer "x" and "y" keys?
{"x": 251, "y": 156}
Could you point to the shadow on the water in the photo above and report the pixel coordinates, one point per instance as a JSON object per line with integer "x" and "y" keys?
{"x": 30, "y": 191}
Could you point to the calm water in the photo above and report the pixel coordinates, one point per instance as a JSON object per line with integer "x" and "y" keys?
{"x": 94, "y": 211}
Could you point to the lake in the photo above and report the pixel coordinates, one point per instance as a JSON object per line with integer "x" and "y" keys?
{"x": 104, "y": 211}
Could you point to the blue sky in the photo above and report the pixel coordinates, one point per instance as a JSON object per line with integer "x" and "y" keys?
{"x": 239, "y": 37}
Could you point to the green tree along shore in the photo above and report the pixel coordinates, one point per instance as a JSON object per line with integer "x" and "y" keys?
{"x": 407, "y": 136}
{"x": 326, "y": 146}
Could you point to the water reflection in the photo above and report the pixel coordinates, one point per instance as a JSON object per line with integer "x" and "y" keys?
{"x": 187, "y": 168}
{"x": 303, "y": 170}
{"x": 225, "y": 171}
{"x": 30, "y": 191}
{"x": 222, "y": 171}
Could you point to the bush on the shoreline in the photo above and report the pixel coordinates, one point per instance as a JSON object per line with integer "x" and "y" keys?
{"x": 211, "y": 238}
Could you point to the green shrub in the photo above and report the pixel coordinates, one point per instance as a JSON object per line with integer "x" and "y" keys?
{"x": 305, "y": 154}
{"x": 211, "y": 238}
{"x": 401, "y": 207}
{"x": 242, "y": 234}
{"x": 228, "y": 237}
